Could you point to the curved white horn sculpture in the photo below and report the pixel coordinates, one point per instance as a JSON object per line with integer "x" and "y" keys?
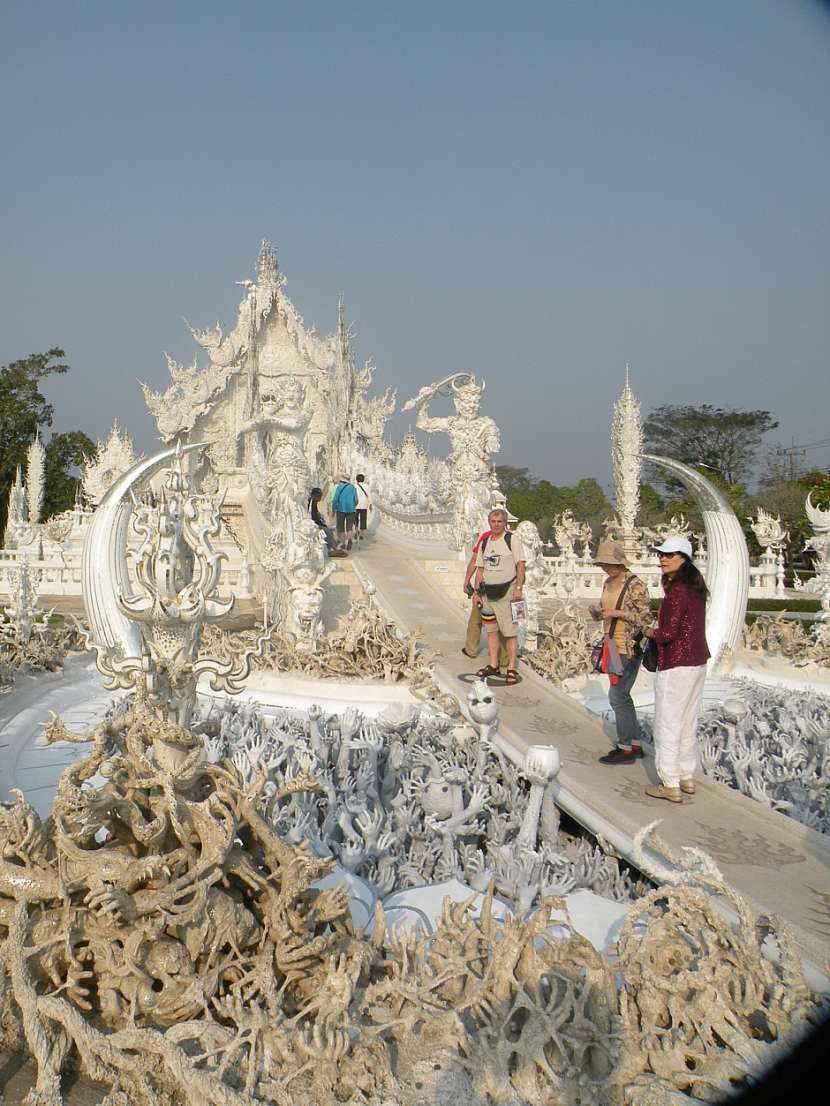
{"x": 104, "y": 564}
{"x": 727, "y": 575}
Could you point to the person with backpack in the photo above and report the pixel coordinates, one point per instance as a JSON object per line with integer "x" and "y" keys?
{"x": 500, "y": 577}
{"x": 344, "y": 505}
{"x": 364, "y": 505}
{"x": 474, "y": 623}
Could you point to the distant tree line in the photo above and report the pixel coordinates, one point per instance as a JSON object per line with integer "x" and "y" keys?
{"x": 24, "y": 412}
{"x": 722, "y": 443}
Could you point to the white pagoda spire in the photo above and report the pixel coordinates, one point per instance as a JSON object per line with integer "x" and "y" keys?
{"x": 626, "y": 456}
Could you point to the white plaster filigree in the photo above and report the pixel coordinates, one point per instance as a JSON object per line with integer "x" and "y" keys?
{"x": 112, "y": 458}
{"x": 474, "y": 438}
{"x": 626, "y": 458}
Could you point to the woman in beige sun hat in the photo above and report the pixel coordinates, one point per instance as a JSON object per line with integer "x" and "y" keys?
{"x": 625, "y": 611}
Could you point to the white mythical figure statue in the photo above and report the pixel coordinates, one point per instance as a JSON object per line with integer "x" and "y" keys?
{"x": 372, "y": 417}
{"x": 280, "y": 479}
{"x": 566, "y": 533}
{"x": 277, "y": 465}
{"x": 111, "y": 459}
{"x": 474, "y": 438}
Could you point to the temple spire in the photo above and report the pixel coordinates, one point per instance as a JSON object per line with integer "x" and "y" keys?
{"x": 267, "y": 266}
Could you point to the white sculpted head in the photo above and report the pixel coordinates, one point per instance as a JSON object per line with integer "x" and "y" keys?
{"x": 291, "y": 392}
{"x": 481, "y": 704}
{"x": 467, "y": 398}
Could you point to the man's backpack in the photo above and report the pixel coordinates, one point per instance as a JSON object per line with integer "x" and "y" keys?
{"x": 496, "y": 591}
{"x": 508, "y": 537}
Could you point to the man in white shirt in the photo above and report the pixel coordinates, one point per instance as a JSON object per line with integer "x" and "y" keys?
{"x": 364, "y": 505}
{"x": 500, "y": 577}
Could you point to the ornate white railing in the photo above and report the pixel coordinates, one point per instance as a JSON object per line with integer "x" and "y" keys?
{"x": 425, "y": 526}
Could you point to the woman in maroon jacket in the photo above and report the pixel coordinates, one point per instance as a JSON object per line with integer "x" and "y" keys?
{"x": 682, "y": 654}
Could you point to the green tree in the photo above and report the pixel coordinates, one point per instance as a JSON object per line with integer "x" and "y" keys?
{"x": 65, "y": 453}
{"x": 512, "y": 479}
{"x": 24, "y": 411}
{"x": 722, "y": 439}
{"x": 542, "y": 501}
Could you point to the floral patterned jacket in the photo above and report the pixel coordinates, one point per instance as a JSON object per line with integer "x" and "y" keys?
{"x": 638, "y": 616}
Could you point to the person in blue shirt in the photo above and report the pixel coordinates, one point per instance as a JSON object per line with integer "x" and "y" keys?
{"x": 344, "y": 505}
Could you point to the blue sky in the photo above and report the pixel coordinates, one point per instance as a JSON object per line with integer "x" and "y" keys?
{"x": 537, "y": 193}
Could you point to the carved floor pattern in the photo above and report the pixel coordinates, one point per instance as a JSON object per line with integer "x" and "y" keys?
{"x": 735, "y": 846}
{"x": 819, "y": 916}
{"x": 544, "y": 724}
{"x": 523, "y": 702}
{"x": 633, "y": 791}
{"x": 579, "y": 754}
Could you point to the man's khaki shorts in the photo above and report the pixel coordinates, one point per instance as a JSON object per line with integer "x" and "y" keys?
{"x": 503, "y": 620}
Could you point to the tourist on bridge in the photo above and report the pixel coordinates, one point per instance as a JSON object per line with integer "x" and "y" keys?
{"x": 314, "y": 498}
{"x": 474, "y": 623}
{"x": 500, "y": 577}
{"x": 624, "y": 607}
{"x": 682, "y": 654}
{"x": 364, "y": 505}
{"x": 344, "y": 505}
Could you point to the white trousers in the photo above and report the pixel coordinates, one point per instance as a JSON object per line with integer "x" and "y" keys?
{"x": 677, "y": 696}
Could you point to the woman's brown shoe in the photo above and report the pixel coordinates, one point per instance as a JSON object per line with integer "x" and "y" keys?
{"x": 672, "y": 794}
{"x": 687, "y": 787}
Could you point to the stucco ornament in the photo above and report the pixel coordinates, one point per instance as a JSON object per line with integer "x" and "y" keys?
{"x": 372, "y": 417}
{"x": 626, "y": 459}
{"x": 474, "y": 438}
{"x": 275, "y": 436}
{"x": 782, "y": 636}
{"x": 768, "y": 530}
{"x": 820, "y": 544}
{"x": 26, "y": 500}
{"x": 28, "y": 640}
{"x": 567, "y": 531}
{"x": 183, "y": 931}
{"x": 112, "y": 458}
{"x": 149, "y": 639}
{"x": 538, "y": 577}
{"x": 564, "y": 644}
{"x": 366, "y": 644}
{"x": 23, "y": 612}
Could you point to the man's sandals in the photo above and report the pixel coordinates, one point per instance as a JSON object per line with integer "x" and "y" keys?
{"x": 512, "y": 676}
{"x": 488, "y": 670}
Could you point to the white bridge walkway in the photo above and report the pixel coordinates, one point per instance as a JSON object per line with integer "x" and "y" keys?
{"x": 780, "y": 866}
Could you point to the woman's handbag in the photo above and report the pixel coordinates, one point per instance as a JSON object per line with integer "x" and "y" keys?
{"x": 650, "y": 655}
{"x": 605, "y": 658}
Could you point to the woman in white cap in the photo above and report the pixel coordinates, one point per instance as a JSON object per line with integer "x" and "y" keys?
{"x": 682, "y": 654}
{"x": 625, "y": 608}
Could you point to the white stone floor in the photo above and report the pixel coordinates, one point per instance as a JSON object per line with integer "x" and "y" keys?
{"x": 81, "y": 700}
